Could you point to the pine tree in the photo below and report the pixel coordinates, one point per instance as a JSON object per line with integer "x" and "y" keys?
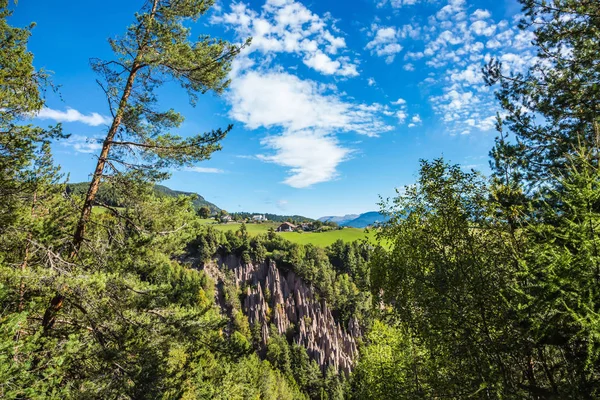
{"x": 155, "y": 49}
{"x": 20, "y": 96}
{"x": 554, "y": 107}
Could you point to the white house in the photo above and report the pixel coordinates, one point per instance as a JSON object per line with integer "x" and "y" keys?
{"x": 259, "y": 218}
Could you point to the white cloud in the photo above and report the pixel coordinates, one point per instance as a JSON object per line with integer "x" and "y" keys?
{"x": 72, "y": 115}
{"x": 385, "y": 41}
{"x": 414, "y": 55}
{"x": 493, "y": 44}
{"x": 321, "y": 62}
{"x": 309, "y": 116}
{"x": 454, "y": 43}
{"x": 82, "y": 144}
{"x": 270, "y": 99}
{"x": 480, "y": 14}
{"x": 287, "y": 26}
{"x": 371, "y": 82}
{"x": 401, "y": 115}
{"x": 415, "y": 121}
{"x": 204, "y": 170}
{"x": 311, "y": 157}
{"x": 470, "y": 76}
{"x": 398, "y": 3}
{"x": 482, "y": 28}
{"x": 454, "y": 10}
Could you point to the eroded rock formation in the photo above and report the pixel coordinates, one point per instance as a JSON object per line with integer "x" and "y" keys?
{"x": 287, "y": 302}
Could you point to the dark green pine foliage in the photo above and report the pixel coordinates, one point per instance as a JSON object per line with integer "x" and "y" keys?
{"x": 545, "y": 194}
{"x": 20, "y": 89}
{"x": 557, "y": 283}
{"x": 555, "y": 107}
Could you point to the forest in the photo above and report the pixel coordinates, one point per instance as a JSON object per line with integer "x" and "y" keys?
{"x": 480, "y": 287}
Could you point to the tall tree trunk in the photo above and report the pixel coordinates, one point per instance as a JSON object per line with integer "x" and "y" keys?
{"x": 86, "y": 211}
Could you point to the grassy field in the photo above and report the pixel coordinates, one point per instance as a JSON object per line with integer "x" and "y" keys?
{"x": 317, "y": 238}
{"x": 321, "y": 239}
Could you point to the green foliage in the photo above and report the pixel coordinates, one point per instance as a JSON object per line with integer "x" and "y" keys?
{"x": 20, "y": 144}
{"x": 487, "y": 310}
{"x": 388, "y": 367}
{"x": 204, "y": 212}
{"x": 553, "y": 108}
{"x": 127, "y": 318}
{"x": 135, "y": 322}
{"x": 491, "y": 291}
{"x": 445, "y": 276}
{"x": 483, "y": 289}
{"x": 155, "y": 49}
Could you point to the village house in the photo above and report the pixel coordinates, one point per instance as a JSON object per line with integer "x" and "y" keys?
{"x": 259, "y": 218}
{"x": 286, "y": 227}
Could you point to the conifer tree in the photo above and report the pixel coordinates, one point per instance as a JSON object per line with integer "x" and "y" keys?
{"x": 554, "y": 107}
{"x": 155, "y": 49}
{"x": 20, "y": 97}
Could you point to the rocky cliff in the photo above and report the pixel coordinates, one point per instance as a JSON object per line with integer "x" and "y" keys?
{"x": 284, "y": 300}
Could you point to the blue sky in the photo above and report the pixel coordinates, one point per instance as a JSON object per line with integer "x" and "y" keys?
{"x": 334, "y": 103}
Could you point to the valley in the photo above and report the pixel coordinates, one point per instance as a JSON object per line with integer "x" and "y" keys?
{"x": 466, "y": 282}
{"x": 322, "y": 239}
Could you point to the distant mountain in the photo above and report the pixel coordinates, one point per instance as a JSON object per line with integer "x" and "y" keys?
{"x": 367, "y": 219}
{"x": 339, "y": 220}
{"x": 357, "y": 221}
{"x": 106, "y": 196}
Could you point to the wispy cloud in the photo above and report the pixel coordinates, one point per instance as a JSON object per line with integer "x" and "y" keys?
{"x": 415, "y": 121}
{"x": 398, "y": 3}
{"x": 309, "y": 117}
{"x": 204, "y": 170}
{"x": 304, "y": 117}
{"x": 282, "y": 204}
{"x": 271, "y": 98}
{"x": 246, "y": 156}
{"x": 72, "y": 115}
{"x": 82, "y": 144}
{"x": 311, "y": 157}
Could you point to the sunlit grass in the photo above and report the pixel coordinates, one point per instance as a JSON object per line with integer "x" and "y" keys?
{"x": 316, "y": 238}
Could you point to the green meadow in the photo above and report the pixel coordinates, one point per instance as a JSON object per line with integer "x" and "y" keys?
{"x": 316, "y": 238}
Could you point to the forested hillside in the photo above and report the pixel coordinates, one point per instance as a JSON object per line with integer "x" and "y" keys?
{"x": 110, "y": 197}
{"x": 486, "y": 288}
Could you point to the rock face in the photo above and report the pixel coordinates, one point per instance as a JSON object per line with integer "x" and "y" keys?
{"x": 287, "y": 302}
